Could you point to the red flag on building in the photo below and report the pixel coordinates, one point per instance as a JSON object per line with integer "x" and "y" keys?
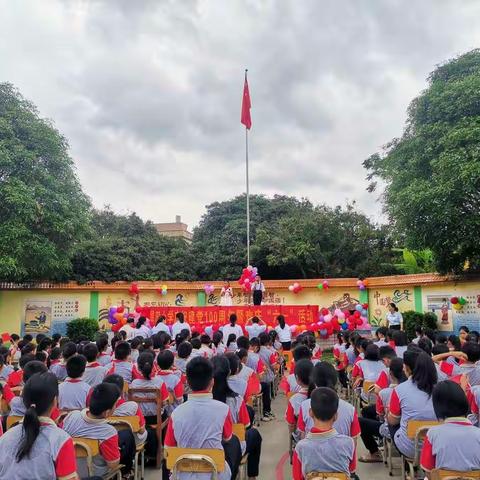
{"x": 246, "y": 119}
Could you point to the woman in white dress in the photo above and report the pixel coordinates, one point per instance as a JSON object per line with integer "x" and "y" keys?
{"x": 226, "y": 295}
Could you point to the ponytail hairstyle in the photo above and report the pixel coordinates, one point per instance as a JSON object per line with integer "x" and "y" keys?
{"x": 281, "y": 321}
{"x": 396, "y": 370}
{"x": 424, "y": 373}
{"x": 233, "y": 319}
{"x": 145, "y": 364}
{"x": 141, "y": 322}
{"x": 221, "y": 370}
{"x": 217, "y": 338}
{"x": 234, "y": 363}
{"x": 323, "y": 375}
{"x": 38, "y": 396}
{"x": 340, "y": 338}
{"x": 231, "y": 338}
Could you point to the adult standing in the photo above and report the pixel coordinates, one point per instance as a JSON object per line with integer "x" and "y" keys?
{"x": 232, "y": 327}
{"x": 255, "y": 326}
{"x": 161, "y": 326}
{"x": 258, "y": 289}
{"x": 129, "y": 329}
{"x": 180, "y": 324}
{"x": 394, "y": 317}
{"x": 142, "y": 329}
{"x": 226, "y": 295}
{"x": 284, "y": 333}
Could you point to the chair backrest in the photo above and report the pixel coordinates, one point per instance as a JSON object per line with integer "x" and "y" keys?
{"x": 4, "y": 408}
{"x": 133, "y": 422}
{"x": 195, "y": 459}
{"x": 368, "y": 386}
{"x": 288, "y": 357}
{"x": 86, "y": 449}
{"x": 454, "y": 475}
{"x": 17, "y": 391}
{"x": 239, "y": 431}
{"x": 326, "y": 476}
{"x": 13, "y": 420}
{"x": 416, "y": 426}
{"x": 147, "y": 395}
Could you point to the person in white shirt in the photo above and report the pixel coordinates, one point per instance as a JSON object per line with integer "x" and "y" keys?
{"x": 232, "y": 328}
{"x": 394, "y": 317}
{"x": 161, "y": 326}
{"x": 284, "y": 333}
{"x": 180, "y": 325}
{"x": 226, "y": 295}
{"x": 258, "y": 289}
{"x": 129, "y": 329}
{"x": 142, "y": 329}
{"x": 255, "y": 326}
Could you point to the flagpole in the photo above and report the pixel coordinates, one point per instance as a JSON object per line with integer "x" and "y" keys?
{"x": 248, "y": 196}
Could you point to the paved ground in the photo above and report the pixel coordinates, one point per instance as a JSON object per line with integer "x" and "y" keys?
{"x": 274, "y": 460}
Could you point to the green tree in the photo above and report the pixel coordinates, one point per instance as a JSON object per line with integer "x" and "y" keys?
{"x": 414, "y": 261}
{"x": 432, "y": 172}
{"x": 43, "y": 211}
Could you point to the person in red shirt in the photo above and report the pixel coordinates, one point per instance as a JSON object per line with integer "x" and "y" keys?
{"x": 15, "y": 379}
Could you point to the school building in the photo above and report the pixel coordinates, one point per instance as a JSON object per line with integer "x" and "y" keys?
{"x": 48, "y": 307}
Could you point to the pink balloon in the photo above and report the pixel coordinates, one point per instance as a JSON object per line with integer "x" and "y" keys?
{"x": 328, "y": 318}
{"x": 293, "y": 328}
{"x": 291, "y": 288}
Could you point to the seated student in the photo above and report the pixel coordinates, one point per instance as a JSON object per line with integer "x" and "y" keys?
{"x": 340, "y": 358}
{"x": 386, "y": 355}
{"x": 236, "y": 382}
{"x": 205, "y": 341}
{"x": 135, "y": 344}
{"x": 231, "y": 345}
{"x": 454, "y": 445}
{"x": 418, "y": 334}
{"x": 172, "y": 380}
{"x": 146, "y": 380}
{"x": 254, "y": 327}
{"x": 223, "y": 393}
{"x": 14, "y": 351}
{"x": 94, "y": 372}
{"x": 247, "y": 374}
{"x": 217, "y": 340}
{"x": 196, "y": 345}
{"x": 303, "y": 371}
{"x": 54, "y": 357}
{"x": 380, "y": 335}
{"x": 37, "y": 449}
{"x": 104, "y": 357}
{"x": 372, "y": 428}
{"x": 289, "y": 383}
{"x": 370, "y": 367}
{"x": 15, "y": 379}
{"x": 412, "y": 399}
{"x": 269, "y": 359}
{"x": 184, "y": 351}
{"x": 58, "y": 369}
{"x": 401, "y": 341}
{"x": 114, "y": 447}
{"x": 324, "y": 449}
{"x": 346, "y": 423}
{"x": 253, "y": 360}
{"x": 202, "y": 422}
{"x": 73, "y": 392}
{"x": 124, "y": 408}
{"x": 122, "y": 365}
{"x": 5, "y": 369}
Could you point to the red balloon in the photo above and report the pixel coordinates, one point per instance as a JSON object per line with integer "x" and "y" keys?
{"x": 346, "y": 313}
{"x": 329, "y": 328}
{"x": 138, "y": 309}
{"x": 454, "y": 300}
{"x": 357, "y": 314}
{"x": 120, "y": 309}
{"x": 365, "y": 306}
{"x": 325, "y": 311}
{"x": 351, "y": 327}
{"x": 116, "y": 327}
{"x": 312, "y": 327}
{"x": 359, "y": 321}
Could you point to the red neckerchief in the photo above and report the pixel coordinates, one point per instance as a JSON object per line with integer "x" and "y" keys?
{"x": 93, "y": 364}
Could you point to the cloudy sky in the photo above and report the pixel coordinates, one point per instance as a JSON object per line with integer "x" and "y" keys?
{"x": 148, "y": 92}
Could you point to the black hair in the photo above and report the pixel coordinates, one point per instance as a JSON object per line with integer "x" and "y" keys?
{"x": 90, "y": 352}
{"x": 28, "y": 348}
{"x": 323, "y": 375}
{"x": 196, "y": 343}
{"x": 28, "y": 338}
{"x": 386, "y": 352}
{"x": 180, "y": 317}
{"x": 424, "y": 373}
{"x": 102, "y": 343}
{"x": 263, "y": 338}
{"x": 159, "y": 341}
{"x": 364, "y": 343}
{"x": 122, "y": 350}
{"x": 281, "y": 321}
{"x": 303, "y": 370}
{"x": 393, "y": 306}
{"x": 56, "y": 337}
{"x": 419, "y": 329}
{"x": 33, "y": 367}
{"x": 217, "y": 338}
{"x": 141, "y": 321}
{"x": 472, "y": 351}
{"x": 242, "y": 342}
{"x": 381, "y": 331}
{"x": 136, "y": 342}
{"x": 254, "y": 342}
{"x": 24, "y": 359}
{"x": 438, "y": 349}
{"x": 115, "y": 380}
{"x": 231, "y": 339}
{"x": 145, "y": 364}
{"x": 55, "y": 353}
{"x": 205, "y": 339}
{"x": 160, "y": 319}
{"x": 425, "y": 344}
{"x": 199, "y": 373}
{"x": 184, "y": 350}
{"x": 440, "y": 338}
{"x": 449, "y": 400}
{"x": 76, "y": 366}
{"x": 14, "y": 337}
{"x": 255, "y": 319}
{"x": 234, "y": 363}
{"x": 41, "y": 357}
{"x": 242, "y": 353}
{"x": 103, "y": 398}
{"x": 38, "y": 396}
{"x": 372, "y": 352}
{"x": 165, "y": 359}
{"x": 396, "y": 370}
{"x": 400, "y": 338}
{"x": 455, "y": 341}
{"x": 430, "y": 334}
{"x": 69, "y": 350}
{"x": 473, "y": 336}
{"x": 221, "y": 370}
{"x": 233, "y": 319}
{"x": 44, "y": 344}
{"x": 39, "y": 337}
{"x": 302, "y": 351}
{"x": 464, "y": 328}
{"x": 324, "y": 403}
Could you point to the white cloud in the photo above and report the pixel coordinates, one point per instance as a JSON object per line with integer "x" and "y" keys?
{"x": 148, "y": 92}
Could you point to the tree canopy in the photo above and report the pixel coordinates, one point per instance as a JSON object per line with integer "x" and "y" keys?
{"x": 43, "y": 210}
{"x": 432, "y": 172}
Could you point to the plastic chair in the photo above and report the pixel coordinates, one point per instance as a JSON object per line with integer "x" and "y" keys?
{"x": 195, "y": 460}
{"x": 439, "y": 474}
{"x": 240, "y": 432}
{"x": 326, "y": 476}
{"x": 13, "y": 420}
{"x": 132, "y": 423}
{"x": 87, "y": 448}
{"x": 152, "y": 395}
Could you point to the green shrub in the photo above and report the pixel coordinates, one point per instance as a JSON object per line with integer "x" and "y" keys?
{"x": 411, "y": 319}
{"x": 87, "y": 327}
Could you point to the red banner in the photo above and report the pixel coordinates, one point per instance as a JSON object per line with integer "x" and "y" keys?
{"x": 206, "y": 316}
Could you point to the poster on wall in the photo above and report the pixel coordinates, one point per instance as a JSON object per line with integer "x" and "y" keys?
{"x": 38, "y": 317}
{"x": 440, "y": 305}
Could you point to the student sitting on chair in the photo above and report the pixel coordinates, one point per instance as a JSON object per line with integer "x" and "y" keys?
{"x": 172, "y": 379}
{"x": 59, "y": 369}
{"x": 94, "y": 372}
{"x": 37, "y": 449}
{"x": 73, "y": 392}
{"x": 122, "y": 365}
{"x": 323, "y": 449}
{"x": 289, "y": 383}
{"x": 15, "y": 379}
{"x": 202, "y": 422}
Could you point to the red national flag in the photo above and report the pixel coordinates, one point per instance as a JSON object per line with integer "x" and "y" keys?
{"x": 246, "y": 119}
